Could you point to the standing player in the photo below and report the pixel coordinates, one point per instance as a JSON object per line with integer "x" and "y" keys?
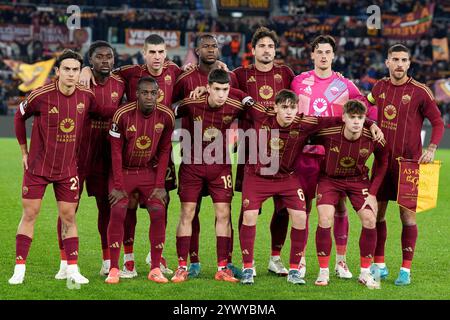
{"x": 207, "y": 50}
{"x": 95, "y": 152}
{"x": 165, "y": 72}
{"x": 322, "y": 92}
{"x": 140, "y": 133}
{"x": 347, "y": 147}
{"x": 403, "y": 104}
{"x": 209, "y": 117}
{"x": 262, "y": 80}
{"x": 59, "y": 111}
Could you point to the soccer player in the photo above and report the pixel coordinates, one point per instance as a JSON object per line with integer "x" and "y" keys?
{"x": 403, "y": 104}
{"x": 262, "y": 80}
{"x": 283, "y": 182}
{"x": 348, "y": 146}
{"x": 140, "y": 133}
{"x": 207, "y": 49}
{"x": 322, "y": 92}
{"x": 94, "y": 159}
{"x": 206, "y": 162}
{"x": 165, "y": 72}
{"x": 59, "y": 111}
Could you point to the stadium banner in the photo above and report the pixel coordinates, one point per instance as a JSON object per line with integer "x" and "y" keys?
{"x": 440, "y": 49}
{"x": 15, "y": 32}
{"x": 411, "y": 25}
{"x": 222, "y": 37}
{"x": 33, "y": 75}
{"x": 50, "y": 35}
{"x": 442, "y": 90}
{"x": 134, "y": 38}
{"x": 418, "y": 184}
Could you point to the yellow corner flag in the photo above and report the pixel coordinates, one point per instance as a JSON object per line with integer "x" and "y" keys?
{"x": 418, "y": 185}
{"x": 32, "y": 75}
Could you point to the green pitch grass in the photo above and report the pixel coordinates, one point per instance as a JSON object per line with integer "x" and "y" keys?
{"x": 430, "y": 277}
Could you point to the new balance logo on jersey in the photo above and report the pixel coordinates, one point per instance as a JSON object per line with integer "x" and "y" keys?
{"x": 132, "y": 128}
{"x": 335, "y": 149}
{"x": 251, "y": 79}
{"x": 53, "y": 110}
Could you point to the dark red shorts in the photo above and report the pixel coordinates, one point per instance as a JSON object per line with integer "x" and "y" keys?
{"x": 96, "y": 185}
{"x": 142, "y": 183}
{"x": 308, "y": 169}
{"x": 66, "y": 189}
{"x": 329, "y": 191}
{"x": 389, "y": 186}
{"x": 257, "y": 189}
{"x": 195, "y": 178}
{"x": 171, "y": 177}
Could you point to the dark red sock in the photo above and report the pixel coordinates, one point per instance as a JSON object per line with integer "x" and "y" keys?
{"x": 409, "y": 238}
{"x": 247, "y": 236}
{"x": 129, "y": 230}
{"x": 298, "y": 238}
{"x": 340, "y": 232}
{"x": 222, "y": 246}
{"x": 183, "y": 244}
{"x": 71, "y": 248}
{"x": 367, "y": 244}
{"x": 102, "y": 224}
{"x": 307, "y": 229}
{"x": 381, "y": 241}
{"x": 278, "y": 229}
{"x": 23, "y": 244}
{"x": 231, "y": 242}
{"x": 115, "y": 232}
{"x": 195, "y": 238}
{"x": 323, "y": 246}
{"x": 58, "y": 229}
{"x": 157, "y": 233}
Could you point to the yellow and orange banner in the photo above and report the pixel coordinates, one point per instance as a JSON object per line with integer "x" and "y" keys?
{"x": 418, "y": 185}
{"x": 411, "y": 25}
{"x": 33, "y": 75}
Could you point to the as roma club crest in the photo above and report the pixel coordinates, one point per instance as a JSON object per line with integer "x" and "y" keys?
{"x": 159, "y": 127}
{"x": 114, "y": 96}
{"x": 80, "y": 107}
{"x": 168, "y": 80}
{"x": 406, "y": 98}
{"x": 364, "y": 152}
{"x": 227, "y": 119}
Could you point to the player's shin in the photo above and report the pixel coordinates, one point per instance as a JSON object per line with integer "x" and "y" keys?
{"x": 116, "y": 232}
{"x": 157, "y": 232}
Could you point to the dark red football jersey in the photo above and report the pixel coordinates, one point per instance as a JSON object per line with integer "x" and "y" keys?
{"x": 166, "y": 80}
{"x": 138, "y": 139}
{"x": 95, "y": 150}
{"x": 401, "y": 113}
{"x": 57, "y": 128}
{"x": 207, "y": 124}
{"x": 346, "y": 159}
{"x": 286, "y": 142}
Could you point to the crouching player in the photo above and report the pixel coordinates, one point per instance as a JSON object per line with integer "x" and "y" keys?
{"x": 140, "y": 133}
{"x": 347, "y": 149}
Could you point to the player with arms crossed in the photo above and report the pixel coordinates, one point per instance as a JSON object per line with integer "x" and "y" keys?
{"x": 348, "y": 146}
{"x": 403, "y": 104}
{"x": 59, "y": 111}
{"x": 140, "y": 132}
{"x": 323, "y": 92}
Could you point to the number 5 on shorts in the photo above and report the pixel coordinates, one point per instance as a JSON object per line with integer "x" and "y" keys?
{"x": 227, "y": 181}
{"x": 75, "y": 182}
{"x": 301, "y": 195}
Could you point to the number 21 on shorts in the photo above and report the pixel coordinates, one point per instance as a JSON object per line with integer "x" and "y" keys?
{"x": 75, "y": 182}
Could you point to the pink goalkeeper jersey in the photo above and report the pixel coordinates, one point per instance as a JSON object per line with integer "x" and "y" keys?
{"x": 325, "y": 97}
